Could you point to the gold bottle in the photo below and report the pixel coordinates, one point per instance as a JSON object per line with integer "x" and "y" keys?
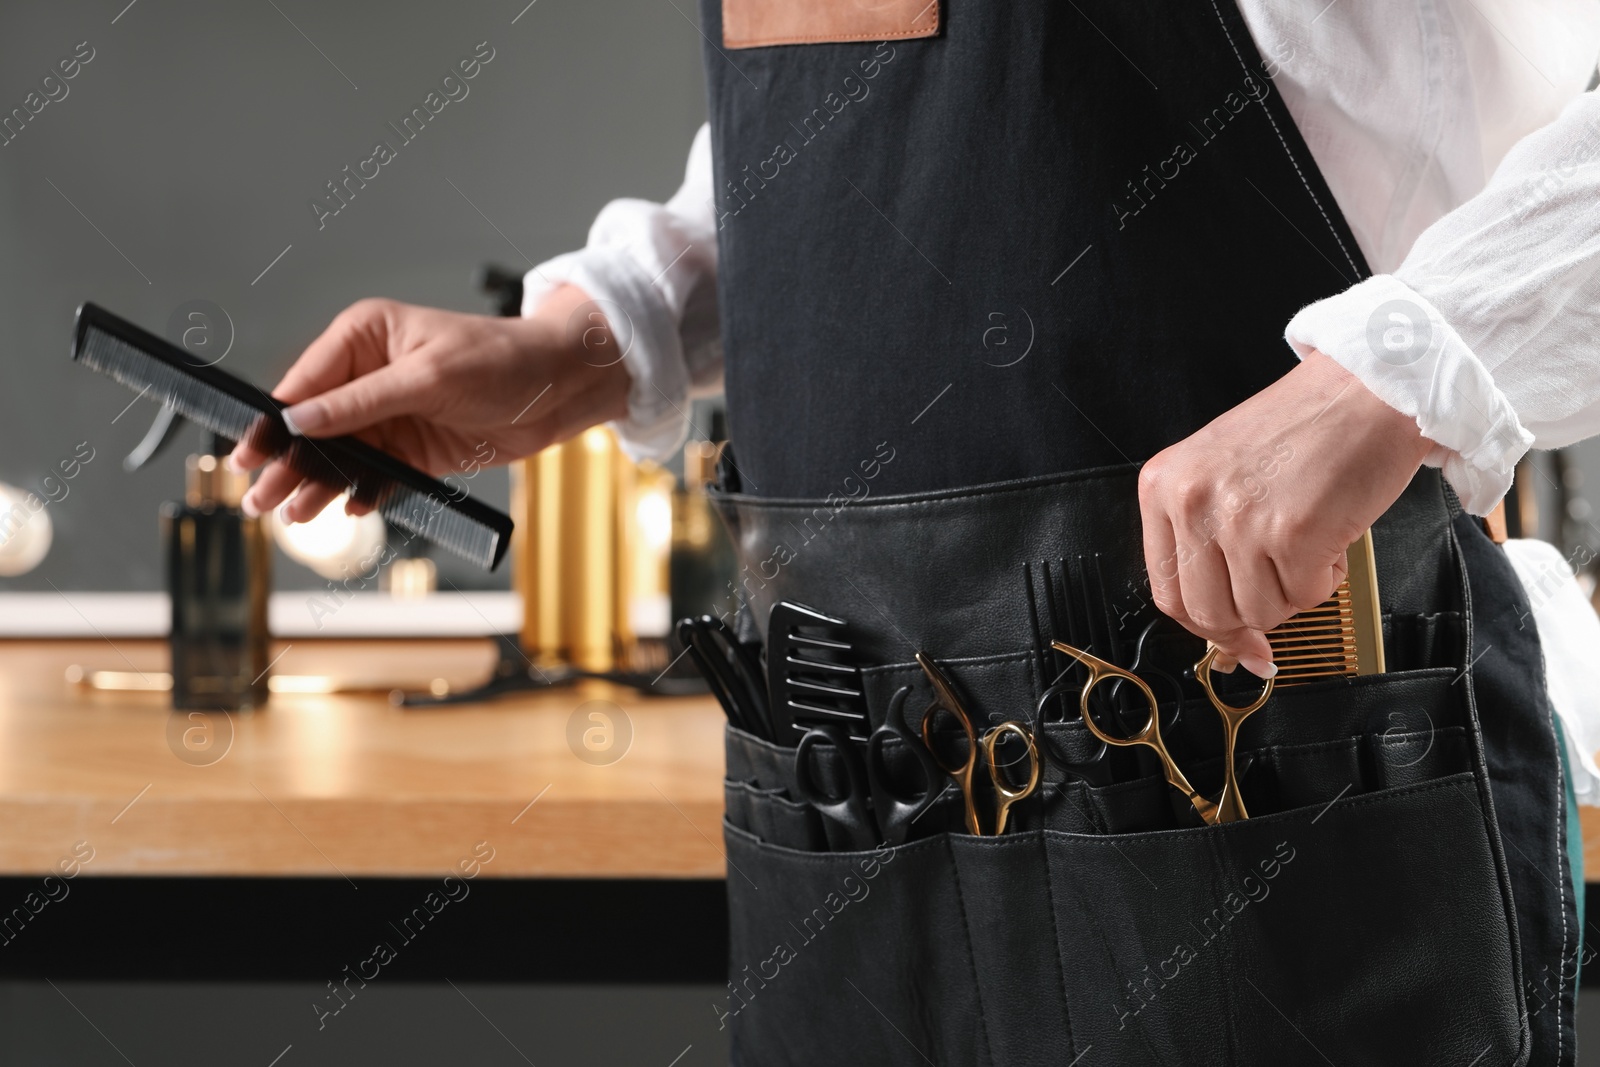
{"x": 590, "y": 555}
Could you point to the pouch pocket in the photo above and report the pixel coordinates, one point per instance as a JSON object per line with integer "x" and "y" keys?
{"x": 1323, "y": 711}
{"x": 763, "y": 796}
{"x": 1138, "y": 806}
{"x": 1419, "y": 641}
{"x": 736, "y": 804}
{"x": 773, "y": 817}
{"x": 1021, "y": 989}
{"x": 759, "y": 762}
{"x": 1286, "y": 777}
{"x": 848, "y": 957}
{"x": 1406, "y": 757}
{"x": 770, "y": 768}
{"x": 1061, "y": 806}
{"x": 1372, "y": 931}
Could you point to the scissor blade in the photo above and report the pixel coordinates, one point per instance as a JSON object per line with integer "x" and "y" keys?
{"x": 1086, "y": 658}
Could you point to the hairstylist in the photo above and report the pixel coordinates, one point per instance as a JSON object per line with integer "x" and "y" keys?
{"x": 1164, "y": 193}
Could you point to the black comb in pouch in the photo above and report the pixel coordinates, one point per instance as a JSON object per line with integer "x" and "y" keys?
{"x": 235, "y": 409}
{"x": 812, "y": 675}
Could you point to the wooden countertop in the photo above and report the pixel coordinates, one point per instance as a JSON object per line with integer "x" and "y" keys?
{"x": 345, "y": 785}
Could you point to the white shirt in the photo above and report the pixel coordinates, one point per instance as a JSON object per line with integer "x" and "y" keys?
{"x": 1455, "y": 136}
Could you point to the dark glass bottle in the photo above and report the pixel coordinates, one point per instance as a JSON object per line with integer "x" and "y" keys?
{"x": 218, "y": 574}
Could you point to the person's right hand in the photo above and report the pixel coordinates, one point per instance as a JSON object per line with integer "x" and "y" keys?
{"x": 440, "y": 389}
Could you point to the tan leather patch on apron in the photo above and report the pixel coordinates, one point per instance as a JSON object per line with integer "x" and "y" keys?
{"x": 755, "y": 23}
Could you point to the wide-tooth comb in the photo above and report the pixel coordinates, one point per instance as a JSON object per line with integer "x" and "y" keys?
{"x": 232, "y": 407}
{"x": 812, "y": 673}
{"x": 1341, "y": 636}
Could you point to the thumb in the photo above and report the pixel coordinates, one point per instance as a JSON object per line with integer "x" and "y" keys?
{"x": 1309, "y": 584}
{"x": 1249, "y": 649}
{"x": 372, "y": 398}
{"x": 1341, "y": 571}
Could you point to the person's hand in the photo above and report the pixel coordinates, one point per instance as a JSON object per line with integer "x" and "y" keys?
{"x": 444, "y": 391}
{"x": 1246, "y": 522}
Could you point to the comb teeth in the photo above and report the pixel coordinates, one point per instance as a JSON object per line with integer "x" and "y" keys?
{"x": 235, "y": 409}
{"x": 813, "y": 664}
{"x": 122, "y": 362}
{"x": 821, "y": 689}
{"x": 1317, "y": 643}
{"x": 1340, "y": 637}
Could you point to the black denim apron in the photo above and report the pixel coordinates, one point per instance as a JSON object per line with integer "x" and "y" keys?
{"x": 969, "y": 282}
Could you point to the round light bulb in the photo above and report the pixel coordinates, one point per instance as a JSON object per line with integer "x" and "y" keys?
{"x": 333, "y": 544}
{"x": 653, "y": 513}
{"x": 25, "y": 531}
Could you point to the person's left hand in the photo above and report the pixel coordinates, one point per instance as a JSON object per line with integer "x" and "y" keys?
{"x": 1246, "y": 522}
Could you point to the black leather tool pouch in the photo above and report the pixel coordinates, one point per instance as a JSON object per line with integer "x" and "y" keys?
{"x": 1361, "y": 915}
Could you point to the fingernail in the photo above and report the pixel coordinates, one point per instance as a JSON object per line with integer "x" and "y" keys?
{"x": 233, "y": 464}
{"x": 306, "y": 417}
{"x": 284, "y": 516}
{"x": 1258, "y": 667}
{"x": 247, "y": 504}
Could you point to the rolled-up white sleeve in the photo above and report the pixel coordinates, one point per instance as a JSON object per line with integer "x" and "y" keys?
{"x": 1487, "y": 332}
{"x": 651, "y": 269}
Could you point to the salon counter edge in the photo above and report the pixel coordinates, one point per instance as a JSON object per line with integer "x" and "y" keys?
{"x": 345, "y": 785}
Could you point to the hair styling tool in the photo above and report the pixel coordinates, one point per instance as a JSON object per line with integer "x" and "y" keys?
{"x": 1229, "y": 806}
{"x": 236, "y": 409}
{"x": 812, "y": 676}
{"x": 978, "y": 749}
{"x": 849, "y": 811}
{"x": 731, "y": 670}
{"x": 1341, "y": 636}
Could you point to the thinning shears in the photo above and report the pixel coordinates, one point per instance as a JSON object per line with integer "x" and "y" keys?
{"x": 1229, "y": 806}
{"x": 1094, "y": 769}
{"x": 1007, "y": 794}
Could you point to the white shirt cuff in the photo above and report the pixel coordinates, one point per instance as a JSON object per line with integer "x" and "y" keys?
{"x": 1400, "y": 347}
{"x": 645, "y": 333}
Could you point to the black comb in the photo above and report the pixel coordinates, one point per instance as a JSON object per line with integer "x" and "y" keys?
{"x": 812, "y": 673}
{"x": 235, "y": 409}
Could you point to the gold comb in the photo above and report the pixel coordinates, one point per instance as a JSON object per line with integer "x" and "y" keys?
{"x": 1341, "y": 636}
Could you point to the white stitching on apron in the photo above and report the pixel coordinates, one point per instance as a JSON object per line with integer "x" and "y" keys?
{"x": 1293, "y": 161}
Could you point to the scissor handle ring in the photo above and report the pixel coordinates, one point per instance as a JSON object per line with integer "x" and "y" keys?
{"x": 894, "y": 727}
{"x": 1099, "y": 670}
{"x": 805, "y": 780}
{"x": 1001, "y": 785}
{"x": 1202, "y": 672}
{"x": 1040, "y": 720}
{"x": 1151, "y": 733}
{"x": 966, "y": 727}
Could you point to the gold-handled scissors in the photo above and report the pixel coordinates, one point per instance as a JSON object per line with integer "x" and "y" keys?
{"x": 1006, "y": 794}
{"x": 1229, "y": 807}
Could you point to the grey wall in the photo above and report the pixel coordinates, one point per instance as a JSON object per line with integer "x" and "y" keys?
{"x": 192, "y": 143}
